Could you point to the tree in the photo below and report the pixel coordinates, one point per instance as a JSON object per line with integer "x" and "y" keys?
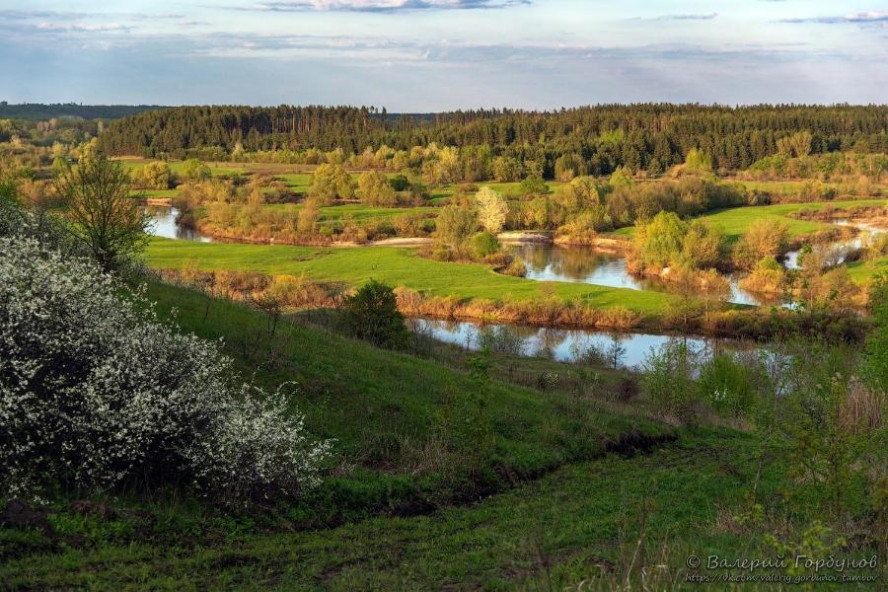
{"x": 659, "y": 243}
{"x": 308, "y": 217}
{"x": 375, "y": 190}
{"x": 764, "y": 238}
{"x": 104, "y": 217}
{"x": 698, "y": 161}
{"x": 331, "y": 181}
{"x": 454, "y": 225}
{"x": 507, "y": 169}
{"x": 196, "y": 170}
{"x": 154, "y": 175}
{"x": 372, "y": 314}
{"x": 492, "y": 209}
{"x": 569, "y": 166}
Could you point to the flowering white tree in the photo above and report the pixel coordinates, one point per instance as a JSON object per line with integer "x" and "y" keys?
{"x": 96, "y": 392}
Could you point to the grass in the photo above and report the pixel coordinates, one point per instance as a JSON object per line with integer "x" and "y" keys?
{"x": 736, "y": 221}
{"x": 578, "y": 523}
{"x": 556, "y": 509}
{"x": 395, "y": 266}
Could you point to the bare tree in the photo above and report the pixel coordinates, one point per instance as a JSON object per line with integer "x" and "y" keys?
{"x": 103, "y": 214}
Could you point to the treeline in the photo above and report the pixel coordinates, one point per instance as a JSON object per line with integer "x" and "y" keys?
{"x": 38, "y": 111}
{"x": 643, "y": 137}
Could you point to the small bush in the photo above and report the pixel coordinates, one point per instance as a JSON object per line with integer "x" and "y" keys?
{"x": 485, "y": 244}
{"x": 372, "y": 314}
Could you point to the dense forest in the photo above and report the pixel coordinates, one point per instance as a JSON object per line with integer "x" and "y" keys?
{"x": 648, "y": 137}
{"x": 38, "y": 111}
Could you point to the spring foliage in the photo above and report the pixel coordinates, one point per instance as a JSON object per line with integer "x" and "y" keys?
{"x": 97, "y": 394}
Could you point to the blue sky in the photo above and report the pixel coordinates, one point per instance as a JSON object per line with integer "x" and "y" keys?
{"x": 430, "y": 55}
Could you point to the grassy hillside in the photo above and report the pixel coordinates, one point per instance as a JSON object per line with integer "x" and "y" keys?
{"x": 576, "y": 485}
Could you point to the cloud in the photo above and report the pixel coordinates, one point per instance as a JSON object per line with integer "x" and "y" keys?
{"x": 688, "y": 17}
{"x": 81, "y": 27}
{"x": 381, "y": 5}
{"x": 870, "y": 17}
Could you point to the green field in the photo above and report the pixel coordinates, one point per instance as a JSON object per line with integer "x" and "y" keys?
{"x": 735, "y": 221}
{"x": 395, "y": 266}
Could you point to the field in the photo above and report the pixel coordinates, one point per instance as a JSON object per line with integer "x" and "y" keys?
{"x": 736, "y": 221}
{"x": 554, "y": 508}
{"x": 395, "y": 266}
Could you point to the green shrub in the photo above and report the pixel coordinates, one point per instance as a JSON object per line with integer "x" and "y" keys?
{"x": 485, "y": 244}
{"x": 372, "y": 314}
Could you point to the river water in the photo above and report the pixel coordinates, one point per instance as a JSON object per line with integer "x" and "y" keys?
{"x": 550, "y": 263}
{"x": 566, "y": 345}
{"x": 163, "y": 224}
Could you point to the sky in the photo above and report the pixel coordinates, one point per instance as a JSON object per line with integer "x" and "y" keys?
{"x": 435, "y": 55}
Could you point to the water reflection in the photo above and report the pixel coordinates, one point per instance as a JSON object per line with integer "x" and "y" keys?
{"x": 548, "y": 263}
{"x": 629, "y": 350}
{"x": 163, "y": 224}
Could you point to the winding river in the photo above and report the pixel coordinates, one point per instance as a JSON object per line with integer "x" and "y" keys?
{"x": 546, "y": 262}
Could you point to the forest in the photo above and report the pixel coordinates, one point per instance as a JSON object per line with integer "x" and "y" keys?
{"x": 648, "y": 137}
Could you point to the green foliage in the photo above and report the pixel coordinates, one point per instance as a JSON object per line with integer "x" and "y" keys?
{"x": 154, "y": 175}
{"x": 399, "y": 182}
{"x": 669, "y": 379}
{"x": 765, "y": 238}
{"x": 454, "y": 225}
{"x": 659, "y": 242}
{"x": 698, "y": 161}
{"x": 329, "y": 182}
{"x": 372, "y": 314}
{"x": 485, "y": 244}
{"x": 374, "y": 189}
{"x": 533, "y": 185}
{"x": 728, "y": 385}
{"x": 105, "y": 218}
{"x": 194, "y": 170}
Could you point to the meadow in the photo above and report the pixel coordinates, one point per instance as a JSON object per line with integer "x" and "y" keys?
{"x": 736, "y": 221}
{"x": 395, "y": 266}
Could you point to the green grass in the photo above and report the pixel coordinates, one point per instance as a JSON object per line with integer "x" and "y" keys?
{"x": 736, "y": 221}
{"x": 578, "y": 523}
{"x": 395, "y": 266}
{"x": 556, "y": 510}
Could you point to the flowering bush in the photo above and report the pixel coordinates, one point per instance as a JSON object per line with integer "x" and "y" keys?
{"x": 96, "y": 394}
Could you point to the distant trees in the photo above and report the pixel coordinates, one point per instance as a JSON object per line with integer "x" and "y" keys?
{"x": 104, "y": 217}
{"x": 454, "y": 225}
{"x": 507, "y": 145}
{"x": 492, "y": 209}
{"x": 154, "y": 175}
{"x": 195, "y": 170}
{"x": 329, "y": 182}
{"x": 375, "y": 190}
{"x": 765, "y": 238}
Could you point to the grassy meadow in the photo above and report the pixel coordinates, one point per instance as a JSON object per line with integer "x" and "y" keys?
{"x": 395, "y": 266}
{"x": 736, "y": 221}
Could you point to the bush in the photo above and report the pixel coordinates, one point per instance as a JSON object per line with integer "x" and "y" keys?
{"x": 372, "y": 314}
{"x": 669, "y": 379}
{"x": 97, "y": 395}
{"x": 728, "y": 385}
{"x": 485, "y": 244}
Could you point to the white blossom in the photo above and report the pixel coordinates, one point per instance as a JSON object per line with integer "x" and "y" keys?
{"x": 96, "y": 392}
